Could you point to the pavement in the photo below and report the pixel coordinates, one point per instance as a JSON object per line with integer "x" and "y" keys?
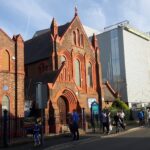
{"x": 53, "y": 142}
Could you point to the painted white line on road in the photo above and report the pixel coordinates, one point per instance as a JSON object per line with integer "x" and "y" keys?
{"x": 121, "y": 133}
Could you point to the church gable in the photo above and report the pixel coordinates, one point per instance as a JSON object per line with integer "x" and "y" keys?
{"x": 76, "y": 37}
{"x": 4, "y": 38}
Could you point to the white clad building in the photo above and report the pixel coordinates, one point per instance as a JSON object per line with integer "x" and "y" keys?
{"x": 125, "y": 58}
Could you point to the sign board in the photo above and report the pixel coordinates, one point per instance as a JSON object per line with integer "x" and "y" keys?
{"x": 90, "y": 101}
{"x": 95, "y": 108}
{"x": 41, "y": 95}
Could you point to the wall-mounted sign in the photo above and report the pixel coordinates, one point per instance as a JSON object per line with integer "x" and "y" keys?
{"x": 90, "y": 101}
{"x": 95, "y": 108}
{"x": 5, "y": 88}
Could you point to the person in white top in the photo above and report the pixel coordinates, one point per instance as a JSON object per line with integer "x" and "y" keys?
{"x": 122, "y": 115}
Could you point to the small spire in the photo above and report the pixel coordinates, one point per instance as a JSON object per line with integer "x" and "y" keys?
{"x": 76, "y": 11}
{"x": 94, "y": 41}
{"x": 54, "y": 27}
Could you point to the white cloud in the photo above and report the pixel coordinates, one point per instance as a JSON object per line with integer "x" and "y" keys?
{"x": 27, "y": 16}
{"x": 33, "y": 15}
{"x": 93, "y": 15}
{"x": 138, "y": 12}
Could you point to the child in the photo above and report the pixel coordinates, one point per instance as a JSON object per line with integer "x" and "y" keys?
{"x": 36, "y": 132}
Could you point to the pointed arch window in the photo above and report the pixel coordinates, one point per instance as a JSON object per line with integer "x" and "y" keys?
{"x": 82, "y": 40}
{"x": 77, "y": 72}
{"x": 89, "y": 75}
{"x": 5, "y": 104}
{"x": 78, "y": 33}
{"x": 74, "y": 38}
{"x": 5, "y": 61}
{"x": 62, "y": 58}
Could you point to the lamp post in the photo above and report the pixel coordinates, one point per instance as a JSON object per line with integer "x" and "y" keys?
{"x": 83, "y": 118}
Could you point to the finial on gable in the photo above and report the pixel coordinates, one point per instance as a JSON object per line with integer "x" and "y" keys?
{"x": 76, "y": 11}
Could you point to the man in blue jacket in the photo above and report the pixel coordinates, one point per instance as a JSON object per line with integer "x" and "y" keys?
{"x": 75, "y": 118}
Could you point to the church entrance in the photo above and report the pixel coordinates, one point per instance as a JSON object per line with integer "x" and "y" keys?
{"x": 63, "y": 109}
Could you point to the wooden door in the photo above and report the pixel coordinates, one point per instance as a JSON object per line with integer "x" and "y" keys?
{"x": 62, "y": 110}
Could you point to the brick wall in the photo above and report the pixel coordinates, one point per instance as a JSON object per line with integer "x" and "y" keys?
{"x": 13, "y": 77}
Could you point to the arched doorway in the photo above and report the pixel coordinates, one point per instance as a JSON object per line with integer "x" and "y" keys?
{"x": 63, "y": 109}
{"x": 5, "y": 104}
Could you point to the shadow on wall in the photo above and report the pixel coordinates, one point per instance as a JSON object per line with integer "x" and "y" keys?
{"x": 52, "y": 119}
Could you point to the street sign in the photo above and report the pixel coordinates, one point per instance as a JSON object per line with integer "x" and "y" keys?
{"x": 95, "y": 108}
{"x": 41, "y": 95}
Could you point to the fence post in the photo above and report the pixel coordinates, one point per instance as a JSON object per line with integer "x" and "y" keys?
{"x": 5, "y": 129}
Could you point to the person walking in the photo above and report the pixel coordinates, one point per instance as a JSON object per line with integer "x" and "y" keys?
{"x": 104, "y": 121}
{"x": 116, "y": 120}
{"x": 109, "y": 126}
{"x": 36, "y": 134}
{"x": 141, "y": 117}
{"x": 75, "y": 118}
{"x": 148, "y": 117}
{"x": 121, "y": 119}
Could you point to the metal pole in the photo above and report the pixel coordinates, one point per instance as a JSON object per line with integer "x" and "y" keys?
{"x": 42, "y": 124}
{"x": 5, "y": 127}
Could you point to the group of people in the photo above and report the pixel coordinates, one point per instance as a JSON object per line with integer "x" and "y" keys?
{"x": 73, "y": 121}
{"x": 107, "y": 122}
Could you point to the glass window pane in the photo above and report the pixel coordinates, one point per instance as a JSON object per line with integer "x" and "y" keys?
{"x": 77, "y": 73}
{"x": 89, "y": 75}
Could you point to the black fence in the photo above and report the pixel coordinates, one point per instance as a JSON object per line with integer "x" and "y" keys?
{"x": 10, "y": 129}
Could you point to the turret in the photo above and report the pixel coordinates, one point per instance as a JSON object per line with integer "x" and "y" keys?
{"x": 54, "y": 28}
{"x": 94, "y": 42}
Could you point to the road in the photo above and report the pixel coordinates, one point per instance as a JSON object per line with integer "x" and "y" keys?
{"x": 128, "y": 140}
{"x": 136, "y": 140}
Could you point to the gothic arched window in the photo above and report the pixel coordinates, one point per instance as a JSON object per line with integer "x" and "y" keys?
{"x": 78, "y": 37}
{"x": 5, "y": 104}
{"x": 5, "y": 61}
{"x": 89, "y": 75}
{"x": 62, "y": 58}
{"x": 77, "y": 72}
{"x": 82, "y": 40}
{"x": 74, "y": 38}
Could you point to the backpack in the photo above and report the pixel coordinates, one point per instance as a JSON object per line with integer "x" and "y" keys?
{"x": 140, "y": 115}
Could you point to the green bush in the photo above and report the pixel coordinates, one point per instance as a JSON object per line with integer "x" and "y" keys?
{"x": 119, "y": 105}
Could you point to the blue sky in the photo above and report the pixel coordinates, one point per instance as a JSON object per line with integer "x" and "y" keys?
{"x": 28, "y": 16}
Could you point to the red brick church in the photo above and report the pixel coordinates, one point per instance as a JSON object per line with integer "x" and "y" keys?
{"x": 64, "y": 58}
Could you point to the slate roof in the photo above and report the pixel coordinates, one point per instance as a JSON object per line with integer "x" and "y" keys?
{"x": 38, "y": 48}
{"x": 30, "y": 84}
{"x": 40, "y": 45}
{"x": 48, "y": 77}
